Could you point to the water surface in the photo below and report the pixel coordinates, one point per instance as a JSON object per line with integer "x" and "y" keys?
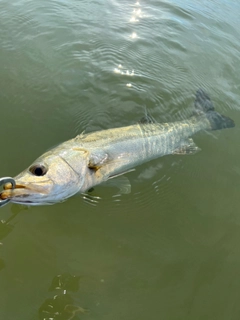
{"x": 170, "y": 249}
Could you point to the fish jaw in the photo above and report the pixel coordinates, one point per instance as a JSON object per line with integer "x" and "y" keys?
{"x": 41, "y": 193}
{"x": 28, "y": 193}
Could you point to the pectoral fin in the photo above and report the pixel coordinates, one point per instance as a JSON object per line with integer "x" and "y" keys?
{"x": 97, "y": 159}
{"x": 189, "y": 147}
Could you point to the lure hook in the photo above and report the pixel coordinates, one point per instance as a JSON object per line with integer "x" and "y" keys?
{"x": 3, "y": 181}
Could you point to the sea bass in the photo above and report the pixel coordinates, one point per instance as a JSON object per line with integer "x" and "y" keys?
{"x": 88, "y": 160}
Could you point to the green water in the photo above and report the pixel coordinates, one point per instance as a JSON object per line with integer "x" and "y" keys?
{"x": 170, "y": 249}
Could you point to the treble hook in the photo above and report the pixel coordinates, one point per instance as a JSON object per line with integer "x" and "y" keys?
{"x": 3, "y": 181}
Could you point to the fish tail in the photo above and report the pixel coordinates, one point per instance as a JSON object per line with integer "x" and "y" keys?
{"x": 204, "y": 106}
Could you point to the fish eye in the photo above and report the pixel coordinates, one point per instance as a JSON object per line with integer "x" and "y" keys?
{"x": 38, "y": 170}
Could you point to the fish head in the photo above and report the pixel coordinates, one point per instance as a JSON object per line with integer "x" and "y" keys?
{"x": 51, "y": 178}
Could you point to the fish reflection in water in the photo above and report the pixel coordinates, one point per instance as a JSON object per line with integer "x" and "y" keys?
{"x": 61, "y": 306}
{"x": 65, "y": 281}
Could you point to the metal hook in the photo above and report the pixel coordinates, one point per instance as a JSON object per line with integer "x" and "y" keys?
{"x": 3, "y": 181}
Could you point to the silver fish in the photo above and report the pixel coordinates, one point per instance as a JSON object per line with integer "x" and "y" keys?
{"x": 90, "y": 159}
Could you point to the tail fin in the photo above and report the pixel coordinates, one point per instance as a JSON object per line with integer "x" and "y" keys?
{"x": 203, "y": 105}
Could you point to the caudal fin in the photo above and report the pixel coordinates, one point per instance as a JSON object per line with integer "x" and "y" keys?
{"x": 204, "y": 106}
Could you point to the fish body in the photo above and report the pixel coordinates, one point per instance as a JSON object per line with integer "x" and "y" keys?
{"x": 87, "y": 160}
{"x": 115, "y": 151}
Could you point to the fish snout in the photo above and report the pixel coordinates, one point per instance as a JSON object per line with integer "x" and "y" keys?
{"x": 10, "y": 190}
{"x": 24, "y": 192}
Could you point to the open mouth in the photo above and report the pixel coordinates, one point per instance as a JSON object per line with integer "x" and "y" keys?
{"x": 12, "y": 190}
{"x": 24, "y": 193}
{"x": 20, "y": 194}
{"x": 10, "y": 186}
{"x": 9, "y": 191}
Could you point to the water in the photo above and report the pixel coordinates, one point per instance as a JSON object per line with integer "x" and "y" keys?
{"x": 170, "y": 249}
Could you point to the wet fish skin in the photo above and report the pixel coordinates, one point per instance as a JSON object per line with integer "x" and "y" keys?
{"x": 90, "y": 159}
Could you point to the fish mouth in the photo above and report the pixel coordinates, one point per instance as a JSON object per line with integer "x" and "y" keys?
{"x": 9, "y": 186}
{"x": 18, "y": 192}
{"x": 9, "y": 191}
{"x": 22, "y": 193}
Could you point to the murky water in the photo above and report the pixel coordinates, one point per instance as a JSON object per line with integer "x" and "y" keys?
{"x": 170, "y": 249}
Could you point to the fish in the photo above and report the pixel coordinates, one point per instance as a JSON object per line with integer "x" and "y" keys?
{"x": 89, "y": 159}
